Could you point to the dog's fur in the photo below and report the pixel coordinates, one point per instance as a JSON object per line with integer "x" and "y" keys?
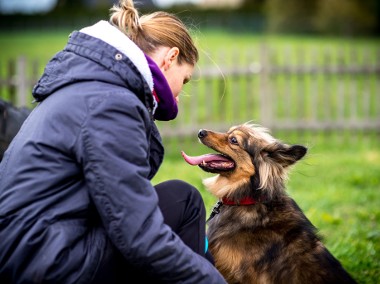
{"x": 271, "y": 241}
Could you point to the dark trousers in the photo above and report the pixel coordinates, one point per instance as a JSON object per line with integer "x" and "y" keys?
{"x": 183, "y": 209}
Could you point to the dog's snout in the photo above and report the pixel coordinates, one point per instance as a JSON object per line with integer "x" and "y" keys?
{"x": 202, "y": 133}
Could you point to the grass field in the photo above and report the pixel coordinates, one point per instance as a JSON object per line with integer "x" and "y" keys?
{"x": 337, "y": 184}
{"x": 43, "y": 45}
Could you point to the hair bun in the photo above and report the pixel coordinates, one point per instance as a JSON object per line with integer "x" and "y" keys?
{"x": 126, "y": 17}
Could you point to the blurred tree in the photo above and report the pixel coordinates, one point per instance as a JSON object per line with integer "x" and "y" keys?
{"x": 338, "y": 17}
{"x": 347, "y": 17}
{"x": 253, "y": 5}
{"x": 74, "y": 8}
{"x": 291, "y": 16}
{"x": 78, "y": 6}
{"x": 69, "y": 4}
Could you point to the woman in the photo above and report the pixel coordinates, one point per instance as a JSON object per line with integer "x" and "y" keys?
{"x": 76, "y": 201}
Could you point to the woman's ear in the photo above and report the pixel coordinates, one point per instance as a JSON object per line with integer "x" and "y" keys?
{"x": 170, "y": 57}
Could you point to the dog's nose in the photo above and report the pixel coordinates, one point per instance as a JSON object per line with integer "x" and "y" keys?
{"x": 202, "y": 133}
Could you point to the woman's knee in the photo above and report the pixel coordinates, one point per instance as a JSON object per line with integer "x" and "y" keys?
{"x": 178, "y": 189}
{"x": 180, "y": 203}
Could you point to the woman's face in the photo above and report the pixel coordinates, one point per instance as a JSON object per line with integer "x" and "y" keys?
{"x": 176, "y": 74}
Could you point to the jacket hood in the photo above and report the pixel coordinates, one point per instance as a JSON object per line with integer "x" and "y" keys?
{"x": 98, "y": 53}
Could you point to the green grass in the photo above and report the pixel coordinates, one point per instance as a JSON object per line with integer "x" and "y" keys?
{"x": 34, "y": 45}
{"x": 337, "y": 185}
{"x": 214, "y": 45}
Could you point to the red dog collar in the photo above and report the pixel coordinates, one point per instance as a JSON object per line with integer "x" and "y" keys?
{"x": 243, "y": 201}
{"x": 226, "y": 201}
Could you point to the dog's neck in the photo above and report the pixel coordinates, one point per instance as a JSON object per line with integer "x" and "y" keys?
{"x": 243, "y": 201}
{"x": 248, "y": 194}
{"x": 239, "y": 202}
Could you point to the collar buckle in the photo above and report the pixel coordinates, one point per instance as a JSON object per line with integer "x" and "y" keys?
{"x": 215, "y": 210}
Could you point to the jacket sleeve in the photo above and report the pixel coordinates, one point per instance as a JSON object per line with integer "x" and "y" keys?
{"x": 116, "y": 171}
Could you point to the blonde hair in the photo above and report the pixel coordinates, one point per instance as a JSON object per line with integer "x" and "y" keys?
{"x": 154, "y": 30}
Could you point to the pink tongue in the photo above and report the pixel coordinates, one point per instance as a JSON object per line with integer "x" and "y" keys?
{"x": 196, "y": 160}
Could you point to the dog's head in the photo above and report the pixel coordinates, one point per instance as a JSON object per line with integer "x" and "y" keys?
{"x": 248, "y": 157}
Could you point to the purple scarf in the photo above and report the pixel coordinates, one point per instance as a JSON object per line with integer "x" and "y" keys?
{"x": 167, "y": 108}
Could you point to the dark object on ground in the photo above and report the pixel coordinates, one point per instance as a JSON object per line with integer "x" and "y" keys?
{"x": 11, "y": 119}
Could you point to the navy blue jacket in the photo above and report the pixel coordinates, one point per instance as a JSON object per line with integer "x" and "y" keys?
{"x": 77, "y": 176}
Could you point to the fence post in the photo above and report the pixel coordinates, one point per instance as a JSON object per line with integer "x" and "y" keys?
{"x": 11, "y": 79}
{"x": 21, "y": 81}
{"x": 266, "y": 111}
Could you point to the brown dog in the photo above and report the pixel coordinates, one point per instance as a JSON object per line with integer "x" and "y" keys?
{"x": 257, "y": 233}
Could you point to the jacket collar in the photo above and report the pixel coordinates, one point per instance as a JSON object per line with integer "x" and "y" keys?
{"x": 108, "y": 33}
{"x": 165, "y": 107}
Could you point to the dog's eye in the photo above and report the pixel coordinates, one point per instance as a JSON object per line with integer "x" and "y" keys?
{"x": 233, "y": 140}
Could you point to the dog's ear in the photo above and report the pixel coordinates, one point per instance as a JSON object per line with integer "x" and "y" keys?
{"x": 297, "y": 152}
{"x": 286, "y": 155}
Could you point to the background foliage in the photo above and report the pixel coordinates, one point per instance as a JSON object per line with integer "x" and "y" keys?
{"x": 332, "y": 17}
